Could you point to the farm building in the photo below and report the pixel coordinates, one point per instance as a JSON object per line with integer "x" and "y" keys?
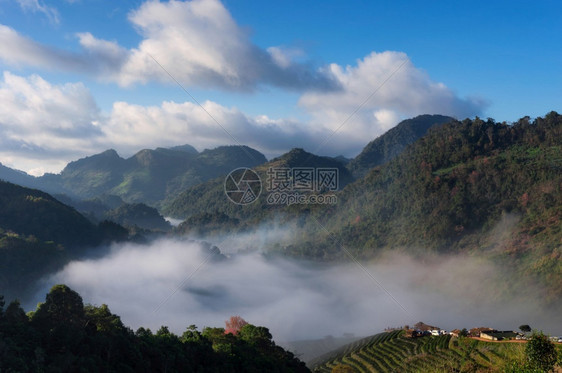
{"x": 424, "y": 327}
{"x": 496, "y": 335}
{"x": 475, "y": 332}
{"x": 438, "y": 332}
{"x": 455, "y": 333}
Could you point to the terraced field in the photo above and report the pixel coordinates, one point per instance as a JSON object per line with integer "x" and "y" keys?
{"x": 392, "y": 352}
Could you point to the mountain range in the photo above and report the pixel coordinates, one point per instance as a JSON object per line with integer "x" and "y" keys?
{"x": 149, "y": 176}
{"x": 431, "y": 184}
{"x": 94, "y": 197}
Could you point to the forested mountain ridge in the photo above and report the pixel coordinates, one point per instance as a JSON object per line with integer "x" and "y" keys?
{"x": 393, "y": 142}
{"x": 208, "y": 202}
{"x": 492, "y": 189}
{"x": 149, "y": 176}
{"x": 39, "y": 234}
{"x": 457, "y": 180}
{"x": 32, "y": 212}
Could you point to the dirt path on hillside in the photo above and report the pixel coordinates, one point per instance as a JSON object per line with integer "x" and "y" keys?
{"x": 508, "y": 341}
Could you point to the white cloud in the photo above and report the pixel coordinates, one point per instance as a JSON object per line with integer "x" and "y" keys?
{"x": 197, "y": 42}
{"x": 44, "y": 126}
{"x": 20, "y": 50}
{"x": 386, "y": 118}
{"x": 172, "y": 123}
{"x": 284, "y": 57}
{"x": 385, "y": 86}
{"x": 38, "y": 6}
{"x": 104, "y": 55}
{"x": 41, "y": 121}
{"x": 99, "y": 57}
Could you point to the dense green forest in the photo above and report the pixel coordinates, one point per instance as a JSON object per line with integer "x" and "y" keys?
{"x": 64, "y": 335}
{"x": 39, "y": 234}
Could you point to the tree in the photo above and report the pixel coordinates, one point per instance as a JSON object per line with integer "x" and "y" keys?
{"x": 541, "y": 352}
{"x": 14, "y": 314}
{"x": 234, "y": 324}
{"x": 258, "y": 336}
{"x": 191, "y": 334}
{"x": 63, "y": 306}
{"x": 103, "y": 320}
{"x": 525, "y": 328}
{"x": 61, "y": 319}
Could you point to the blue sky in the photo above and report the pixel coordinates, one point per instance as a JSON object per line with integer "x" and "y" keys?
{"x": 80, "y": 77}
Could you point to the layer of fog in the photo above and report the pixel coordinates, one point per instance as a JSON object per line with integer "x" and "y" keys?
{"x": 176, "y": 283}
{"x": 174, "y": 222}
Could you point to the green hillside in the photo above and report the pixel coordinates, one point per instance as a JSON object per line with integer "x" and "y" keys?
{"x": 393, "y": 142}
{"x": 392, "y": 352}
{"x": 39, "y": 234}
{"x": 478, "y": 187}
{"x": 138, "y": 215}
{"x": 93, "y": 175}
{"x": 150, "y": 176}
{"x": 30, "y": 212}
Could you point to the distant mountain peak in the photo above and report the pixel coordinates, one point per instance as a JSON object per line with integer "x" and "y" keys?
{"x": 186, "y": 148}
{"x": 393, "y": 142}
{"x": 110, "y": 153}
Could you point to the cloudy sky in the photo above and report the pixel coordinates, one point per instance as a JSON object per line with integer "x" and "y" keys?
{"x": 81, "y": 76}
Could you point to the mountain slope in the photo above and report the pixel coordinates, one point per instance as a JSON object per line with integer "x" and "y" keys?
{"x": 138, "y": 215}
{"x": 210, "y": 197}
{"x": 94, "y": 175}
{"x": 16, "y": 177}
{"x": 393, "y": 142}
{"x": 31, "y": 212}
{"x": 39, "y": 234}
{"x": 474, "y": 186}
